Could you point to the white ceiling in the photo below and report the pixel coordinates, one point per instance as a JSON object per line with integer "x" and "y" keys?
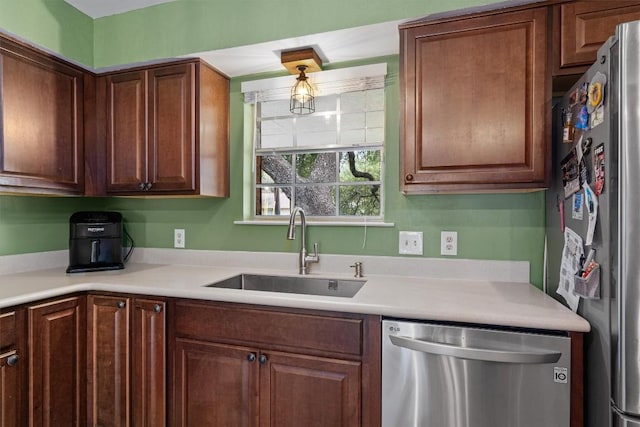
{"x": 335, "y": 46}
{"x": 100, "y": 8}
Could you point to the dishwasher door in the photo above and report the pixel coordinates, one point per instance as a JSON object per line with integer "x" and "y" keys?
{"x": 450, "y": 376}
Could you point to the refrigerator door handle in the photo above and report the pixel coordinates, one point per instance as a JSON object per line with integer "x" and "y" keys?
{"x": 483, "y": 354}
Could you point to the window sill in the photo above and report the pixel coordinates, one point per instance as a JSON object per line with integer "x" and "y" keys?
{"x": 315, "y": 222}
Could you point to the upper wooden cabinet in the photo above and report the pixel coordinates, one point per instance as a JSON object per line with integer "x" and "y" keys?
{"x": 41, "y": 122}
{"x": 475, "y": 103}
{"x": 580, "y": 28}
{"x": 167, "y": 130}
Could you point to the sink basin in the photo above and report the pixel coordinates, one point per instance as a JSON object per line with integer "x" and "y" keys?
{"x": 293, "y": 285}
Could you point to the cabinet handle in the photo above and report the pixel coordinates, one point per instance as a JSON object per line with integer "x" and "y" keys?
{"x": 263, "y": 359}
{"x": 121, "y": 304}
{"x": 12, "y": 360}
{"x": 141, "y": 186}
{"x": 409, "y": 177}
{"x": 157, "y": 308}
{"x": 251, "y": 357}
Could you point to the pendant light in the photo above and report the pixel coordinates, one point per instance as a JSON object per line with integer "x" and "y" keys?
{"x": 302, "y": 98}
{"x": 301, "y": 61}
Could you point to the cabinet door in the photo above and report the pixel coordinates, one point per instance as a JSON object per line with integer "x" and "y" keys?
{"x": 57, "y": 363}
{"x": 476, "y": 121}
{"x": 298, "y": 390}
{"x": 215, "y": 385}
{"x": 172, "y": 140}
{"x": 149, "y": 363}
{"x": 9, "y": 389}
{"x": 583, "y": 27}
{"x": 41, "y": 121}
{"x": 126, "y": 132}
{"x": 108, "y": 385}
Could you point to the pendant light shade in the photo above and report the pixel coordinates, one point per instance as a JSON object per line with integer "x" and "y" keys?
{"x": 302, "y": 98}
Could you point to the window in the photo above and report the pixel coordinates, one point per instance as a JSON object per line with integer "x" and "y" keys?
{"x": 330, "y": 162}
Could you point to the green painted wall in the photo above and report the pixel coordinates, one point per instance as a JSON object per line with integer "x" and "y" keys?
{"x": 52, "y": 24}
{"x": 490, "y": 226}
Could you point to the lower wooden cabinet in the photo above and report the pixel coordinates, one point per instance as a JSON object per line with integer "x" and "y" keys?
{"x": 13, "y": 364}
{"x": 299, "y": 390}
{"x": 215, "y": 384}
{"x": 126, "y": 361}
{"x": 248, "y": 366}
{"x": 56, "y": 363}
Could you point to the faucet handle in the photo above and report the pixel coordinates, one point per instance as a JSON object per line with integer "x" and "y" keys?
{"x": 315, "y": 257}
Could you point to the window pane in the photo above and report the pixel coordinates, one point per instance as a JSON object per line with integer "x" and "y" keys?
{"x": 275, "y": 168}
{"x": 316, "y": 167}
{"x": 317, "y": 200}
{"x": 353, "y": 121}
{"x": 326, "y": 103}
{"x": 316, "y": 130}
{"x": 272, "y": 201}
{"x": 276, "y": 133}
{"x": 275, "y": 108}
{"x": 361, "y": 165}
{"x": 375, "y": 99}
{"x": 352, "y": 102}
{"x": 361, "y": 200}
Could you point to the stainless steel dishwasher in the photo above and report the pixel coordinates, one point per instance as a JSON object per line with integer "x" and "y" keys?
{"x": 450, "y": 376}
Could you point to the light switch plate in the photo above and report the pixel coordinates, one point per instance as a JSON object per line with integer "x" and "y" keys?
{"x": 410, "y": 243}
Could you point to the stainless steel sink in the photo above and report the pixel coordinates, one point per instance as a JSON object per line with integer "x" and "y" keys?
{"x": 293, "y": 285}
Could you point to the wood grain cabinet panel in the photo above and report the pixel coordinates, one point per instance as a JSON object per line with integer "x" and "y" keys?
{"x": 126, "y": 361}
{"x": 215, "y": 384}
{"x": 41, "y": 122}
{"x": 298, "y": 390}
{"x": 167, "y": 130}
{"x": 581, "y": 27}
{"x": 475, "y": 103}
{"x": 13, "y": 368}
{"x": 149, "y": 352}
{"x": 253, "y": 366}
{"x": 108, "y": 361}
{"x": 57, "y": 363}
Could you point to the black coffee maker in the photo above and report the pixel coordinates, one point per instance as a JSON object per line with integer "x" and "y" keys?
{"x": 95, "y": 241}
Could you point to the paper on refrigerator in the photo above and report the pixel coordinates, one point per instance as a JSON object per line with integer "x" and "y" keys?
{"x": 569, "y": 267}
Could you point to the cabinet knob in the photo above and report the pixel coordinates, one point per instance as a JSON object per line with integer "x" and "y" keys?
{"x": 408, "y": 177}
{"x": 13, "y": 360}
{"x": 121, "y": 304}
{"x": 141, "y": 186}
{"x": 148, "y": 186}
{"x": 157, "y": 308}
{"x": 262, "y": 359}
{"x": 251, "y": 357}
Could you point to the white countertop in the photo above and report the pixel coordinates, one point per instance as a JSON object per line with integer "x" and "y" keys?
{"x": 502, "y": 303}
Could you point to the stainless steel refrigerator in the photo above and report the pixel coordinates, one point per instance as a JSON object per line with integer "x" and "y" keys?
{"x": 602, "y": 147}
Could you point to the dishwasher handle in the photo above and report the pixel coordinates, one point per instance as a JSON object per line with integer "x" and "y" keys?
{"x": 487, "y": 355}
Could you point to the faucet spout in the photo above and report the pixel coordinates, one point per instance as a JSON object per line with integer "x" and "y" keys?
{"x": 304, "y": 259}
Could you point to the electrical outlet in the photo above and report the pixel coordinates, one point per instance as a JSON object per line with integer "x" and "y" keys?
{"x": 449, "y": 243}
{"x": 178, "y": 238}
{"x": 410, "y": 243}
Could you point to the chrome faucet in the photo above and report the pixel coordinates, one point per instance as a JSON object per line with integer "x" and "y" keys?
{"x": 303, "y": 259}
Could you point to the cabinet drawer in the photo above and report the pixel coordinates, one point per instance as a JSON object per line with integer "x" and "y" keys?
{"x": 269, "y": 329}
{"x": 7, "y": 330}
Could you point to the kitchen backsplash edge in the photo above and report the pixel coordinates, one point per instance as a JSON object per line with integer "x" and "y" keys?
{"x": 438, "y": 268}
